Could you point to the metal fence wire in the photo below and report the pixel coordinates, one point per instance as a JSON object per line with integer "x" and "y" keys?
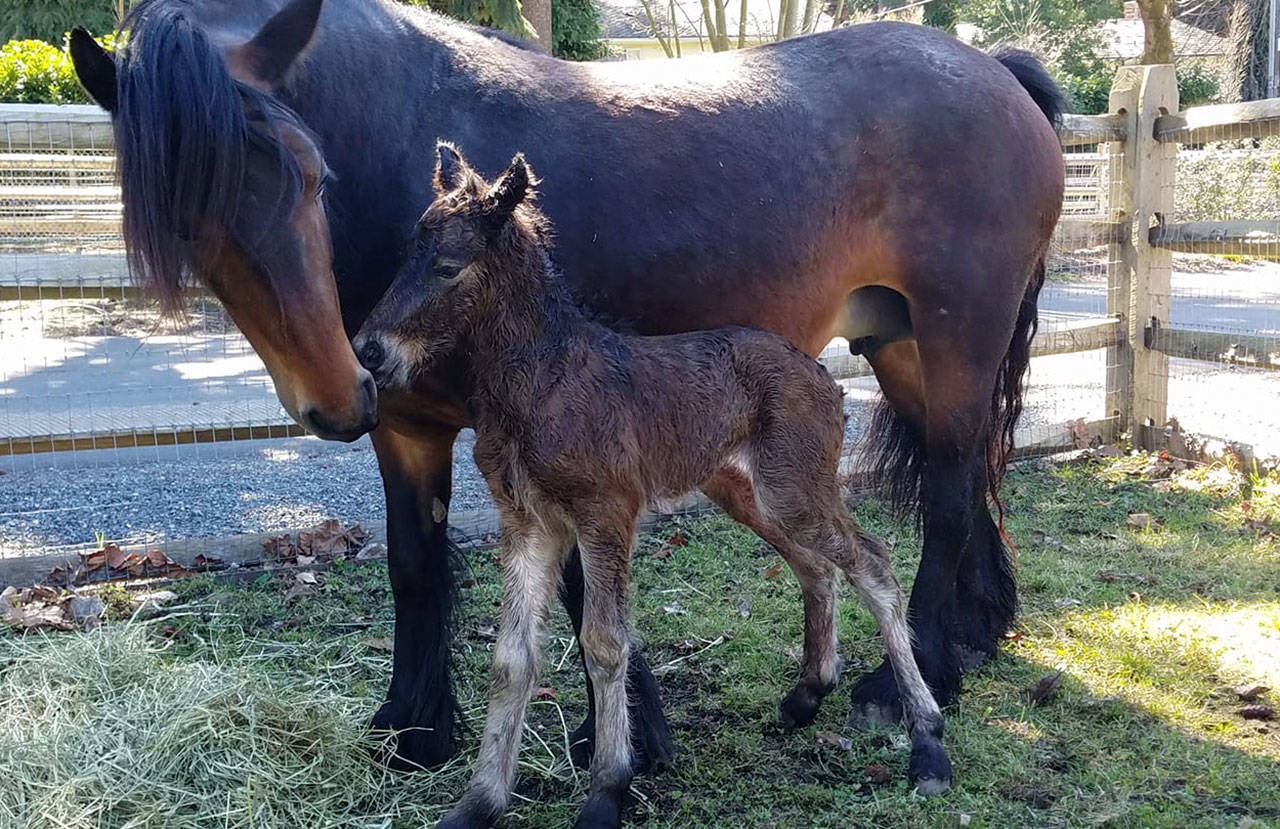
{"x": 86, "y": 362}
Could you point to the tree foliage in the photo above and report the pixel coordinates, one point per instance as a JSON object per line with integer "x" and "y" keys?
{"x": 506, "y": 15}
{"x": 576, "y": 30}
{"x": 50, "y": 20}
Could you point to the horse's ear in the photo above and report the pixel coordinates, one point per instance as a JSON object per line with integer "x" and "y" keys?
{"x": 509, "y": 190}
{"x": 272, "y": 51}
{"x": 95, "y": 68}
{"x": 451, "y": 168}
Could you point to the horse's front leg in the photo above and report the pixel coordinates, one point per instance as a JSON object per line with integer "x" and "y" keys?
{"x": 420, "y": 705}
{"x": 531, "y": 555}
{"x": 651, "y": 735}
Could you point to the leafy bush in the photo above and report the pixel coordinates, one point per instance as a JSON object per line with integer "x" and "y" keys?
{"x": 49, "y": 20}
{"x": 1196, "y": 85}
{"x": 35, "y": 72}
{"x": 1090, "y": 89}
{"x": 576, "y": 30}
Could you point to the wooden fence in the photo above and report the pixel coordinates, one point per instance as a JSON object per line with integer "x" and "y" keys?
{"x": 1143, "y": 131}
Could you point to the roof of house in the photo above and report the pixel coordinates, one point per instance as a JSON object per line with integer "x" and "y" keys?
{"x": 626, "y": 19}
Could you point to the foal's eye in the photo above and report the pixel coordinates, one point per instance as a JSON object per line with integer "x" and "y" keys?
{"x": 446, "y": 269}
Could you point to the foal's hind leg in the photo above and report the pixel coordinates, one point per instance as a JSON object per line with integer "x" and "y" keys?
{"x": 866, "y": 562}
{"x": 732, "y": 489}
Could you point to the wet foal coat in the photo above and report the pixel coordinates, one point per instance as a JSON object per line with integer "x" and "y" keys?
{"x": 579, "y": 428}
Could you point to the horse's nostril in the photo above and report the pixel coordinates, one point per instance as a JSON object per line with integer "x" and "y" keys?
{"x": 371, "y": 354}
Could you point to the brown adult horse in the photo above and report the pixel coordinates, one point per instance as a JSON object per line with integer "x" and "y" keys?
{"x": 882, "y": 182}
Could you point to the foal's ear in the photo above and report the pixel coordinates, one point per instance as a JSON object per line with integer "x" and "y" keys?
{"x": 95, "y": 68}
{"x": 272, "y": 51}
{"x": 508, "y": 191}
{"x": 451, "y": 168}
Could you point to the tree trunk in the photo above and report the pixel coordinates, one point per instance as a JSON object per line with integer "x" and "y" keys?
{"x": 810, "y": 15}
{"x": 1247, "y": 33}
{"x": 1157, "y": 25}
{"x": 792, "y": 18}
{"x": 538, "y": 13}
{"x": 742, "y": 26}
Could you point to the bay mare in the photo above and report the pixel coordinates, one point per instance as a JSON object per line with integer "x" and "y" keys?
{"x": 881, "y": 182}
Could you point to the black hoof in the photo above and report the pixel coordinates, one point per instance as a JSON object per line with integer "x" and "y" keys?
{"x": 401, "y": 746}
{"x": 929, "y": 770}
{"x": 600, "y": 812}
{"x": 799, "y": 707}
{"x": 875, "y": 699}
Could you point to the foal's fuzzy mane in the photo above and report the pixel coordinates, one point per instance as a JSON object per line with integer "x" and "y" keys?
{"x": 183, "y": 131}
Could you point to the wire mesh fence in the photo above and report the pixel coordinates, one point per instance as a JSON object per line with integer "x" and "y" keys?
{"x": 86, "y": 362}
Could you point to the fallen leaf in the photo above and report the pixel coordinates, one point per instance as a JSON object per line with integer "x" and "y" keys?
{"x": 158, "y": 560}
{"x": 467, "y": 583}
{"x": 94, "y": 560}
{"x": 1045, "y": 689}
{"x": 305, "y": 577}
{"x": 833, "y": 739}
{"x": 877, "y": 774}
{"x": 115, "y": 556}
{"x": 544, "y": 693}
{"x": 297, "y": 591}
{"x": 773, "y": 570}
{"x": 662, "y": 552}
{"x": 1256, "y": 711}
{"x": 674, "y": 608}
{"x": 371, "y": 551}
{"x": 204, "y": 562}
{"x": 1250, "y": 693}
{"x": 678, "y": 539}
{"x": 381, "y": 643}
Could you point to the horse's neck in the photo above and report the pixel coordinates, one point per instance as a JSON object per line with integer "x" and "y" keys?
{"x": 533, "y": 323}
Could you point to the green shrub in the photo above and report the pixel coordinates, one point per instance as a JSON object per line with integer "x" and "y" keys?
{"x": 576, "y": 30}
{"x": 34, "y": 72}
{"x": 49, "y": 20}
{"x": 1196, "y": 85}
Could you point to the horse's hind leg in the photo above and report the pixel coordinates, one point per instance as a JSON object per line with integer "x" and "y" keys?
{"x": 866, "y": 563}
{"x": 733, "y": 490}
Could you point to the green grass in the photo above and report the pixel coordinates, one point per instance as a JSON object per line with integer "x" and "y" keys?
{"x": 233, "y": 709}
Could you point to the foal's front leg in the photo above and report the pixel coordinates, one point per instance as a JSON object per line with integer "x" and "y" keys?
{"x": 606, "y": 646}
{"x": 530, "y": 561}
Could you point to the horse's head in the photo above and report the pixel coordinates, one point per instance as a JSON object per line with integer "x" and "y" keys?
{"x": 463, "y": 246}
{"x": 221, "y": 181}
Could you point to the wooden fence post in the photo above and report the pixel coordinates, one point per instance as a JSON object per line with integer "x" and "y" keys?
{"x": 1141, "y": 194}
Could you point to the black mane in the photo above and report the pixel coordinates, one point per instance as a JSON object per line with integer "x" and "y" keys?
{"x": 183, "y": 131}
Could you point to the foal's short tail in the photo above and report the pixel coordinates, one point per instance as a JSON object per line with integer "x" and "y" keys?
{"x": 1031, "y": 73}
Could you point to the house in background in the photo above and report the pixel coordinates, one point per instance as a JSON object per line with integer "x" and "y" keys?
{"x": 629, "y": 33}
{"x": 1122, "y": 40}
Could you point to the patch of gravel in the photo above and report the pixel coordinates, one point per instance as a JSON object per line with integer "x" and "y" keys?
{"x": 200, "y": 492}
{"x": 262, "y": 486}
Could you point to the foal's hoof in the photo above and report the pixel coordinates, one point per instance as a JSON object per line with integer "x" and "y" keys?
{"x": 799, "y": 707}
{"x": 929, "y": 770}
{"x": 402, "y": 747}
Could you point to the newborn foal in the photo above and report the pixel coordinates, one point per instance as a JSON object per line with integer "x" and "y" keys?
{"x": 579, "y": 428}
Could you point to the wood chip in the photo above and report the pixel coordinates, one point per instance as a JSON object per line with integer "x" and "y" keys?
{"x": 1257, "y": 711}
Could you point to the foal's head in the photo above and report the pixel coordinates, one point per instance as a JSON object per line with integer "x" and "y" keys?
{"x": 469, "y": 250}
